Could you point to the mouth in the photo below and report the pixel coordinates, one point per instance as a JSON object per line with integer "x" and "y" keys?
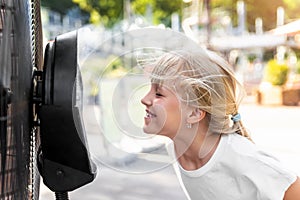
{"x": 149, "y": 115}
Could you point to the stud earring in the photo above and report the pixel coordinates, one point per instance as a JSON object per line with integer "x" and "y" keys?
{"x": 189, "y": 125}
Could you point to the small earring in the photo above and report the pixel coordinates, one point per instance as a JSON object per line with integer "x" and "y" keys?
{"x": 189, "y": 125}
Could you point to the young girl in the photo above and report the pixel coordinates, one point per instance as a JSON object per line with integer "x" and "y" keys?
{"x": 194, "y": 100}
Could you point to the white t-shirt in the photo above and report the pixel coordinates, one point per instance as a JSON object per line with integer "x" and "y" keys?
{"x": 238, "y": 170}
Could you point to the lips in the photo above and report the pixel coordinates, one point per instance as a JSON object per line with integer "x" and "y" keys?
{"x": 149, "y": 115}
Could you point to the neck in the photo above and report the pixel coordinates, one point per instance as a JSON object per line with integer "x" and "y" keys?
{"x": 195, "y": 153}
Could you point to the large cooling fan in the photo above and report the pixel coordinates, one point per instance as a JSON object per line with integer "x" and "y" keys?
{"x": 20, "y": 53}
{"x": 40, "y": 107}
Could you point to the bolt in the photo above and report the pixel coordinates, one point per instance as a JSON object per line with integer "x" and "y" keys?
{"x": 60, "y": 173}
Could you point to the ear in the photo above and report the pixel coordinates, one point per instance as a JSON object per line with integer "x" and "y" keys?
{"x": 195, "y": 116}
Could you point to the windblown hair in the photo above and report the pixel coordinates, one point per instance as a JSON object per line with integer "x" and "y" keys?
{"x": 208, "y": 83}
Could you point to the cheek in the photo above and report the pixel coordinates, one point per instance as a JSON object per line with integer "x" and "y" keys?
{"x": 161, "y": 115}
{"x": 173, "y": 118}
{"x": 174, "y": 109}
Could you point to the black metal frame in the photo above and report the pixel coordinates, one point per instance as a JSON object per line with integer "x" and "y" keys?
{"x": 64, "y": 161}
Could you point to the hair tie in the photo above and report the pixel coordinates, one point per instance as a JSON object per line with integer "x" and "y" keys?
{"x": 236, "y": 117}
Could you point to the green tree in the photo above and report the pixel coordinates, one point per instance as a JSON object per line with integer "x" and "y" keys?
{"x": 60, "y": 6}
{"x": 162, "y": 9}
{"x": 229, "y": 5}
{"x": 63, "y": 6}
{"x": 109, "y": 12}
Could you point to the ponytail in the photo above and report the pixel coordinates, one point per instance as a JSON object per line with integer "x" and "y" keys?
{"x": 239, "y": 127}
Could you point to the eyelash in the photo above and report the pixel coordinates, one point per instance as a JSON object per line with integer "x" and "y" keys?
{"x": 158, "y": 94}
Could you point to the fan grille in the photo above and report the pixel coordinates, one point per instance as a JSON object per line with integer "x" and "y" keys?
{"x": 20, "y": 53}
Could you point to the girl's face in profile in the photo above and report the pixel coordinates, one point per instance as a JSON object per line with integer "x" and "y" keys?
{"x": 163, "y": 111}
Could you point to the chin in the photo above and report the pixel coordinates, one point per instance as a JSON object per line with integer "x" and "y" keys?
{"x": 149, "y": 130}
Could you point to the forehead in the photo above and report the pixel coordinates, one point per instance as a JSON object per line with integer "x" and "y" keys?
{"x": 164, "y": 75}
{"x": 165, "y": 86}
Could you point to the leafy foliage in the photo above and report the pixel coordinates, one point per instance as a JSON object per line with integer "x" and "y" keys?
{"x": 276, "y": 73}
{"x": 109, "y": 12}
{"x": 298, "y": 68}
{"x": 60, "y": 6}
{"x": 292, "y": 8}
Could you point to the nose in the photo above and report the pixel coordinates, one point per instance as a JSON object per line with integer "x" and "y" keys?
{"x": 146, "y": 100}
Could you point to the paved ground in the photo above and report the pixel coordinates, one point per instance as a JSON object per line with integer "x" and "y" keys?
{"x": 276, "y": 129}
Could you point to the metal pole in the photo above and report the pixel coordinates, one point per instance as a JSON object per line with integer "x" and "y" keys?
{"x": 208, "y": 25}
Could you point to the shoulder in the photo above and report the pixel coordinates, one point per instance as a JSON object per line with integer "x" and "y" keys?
{"x": 293, "y": 192}
{"x": 250, "y": 156}
{"x": 240, "y": 146}
{"x": 271, "y": 177}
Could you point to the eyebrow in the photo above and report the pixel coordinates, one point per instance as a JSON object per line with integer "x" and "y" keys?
{"x": 164, "y": 89}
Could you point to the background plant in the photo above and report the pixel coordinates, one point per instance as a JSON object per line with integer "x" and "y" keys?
{"x": 298, "y": 68}
{"x": 276, "y": 73}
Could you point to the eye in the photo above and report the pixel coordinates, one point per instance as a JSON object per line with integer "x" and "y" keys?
{"x": 158, "y": 91}
{"x": 158, "y": 94}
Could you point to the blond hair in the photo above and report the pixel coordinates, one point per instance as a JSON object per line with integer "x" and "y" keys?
{"x": 208, "y": 83}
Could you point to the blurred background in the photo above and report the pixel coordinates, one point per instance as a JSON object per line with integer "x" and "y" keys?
{"x": 259, "y": 38}
{"x": 250, "y": 34}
